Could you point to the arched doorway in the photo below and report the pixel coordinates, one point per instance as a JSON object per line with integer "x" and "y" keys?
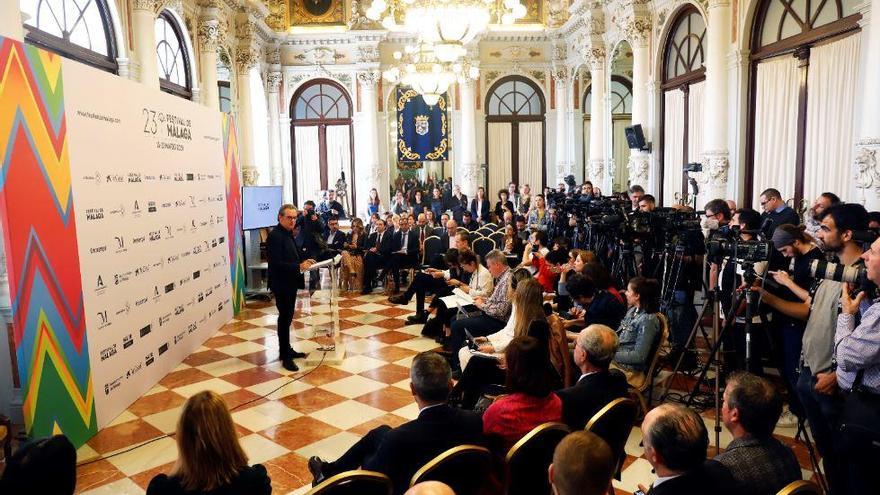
{"x": 321, "y": 140}
{"x": 515, "y": 134}
{"x": 681, "y": 106}
{"x": 804, "y": 72}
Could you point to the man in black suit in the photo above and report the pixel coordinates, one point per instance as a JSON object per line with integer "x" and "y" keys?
{"x": 775, "y": 209}
{"x": 334, "y": 238}
{"x": 405, "y": 250}
{"x": 597, "y": 386}
{"x": 457, "y": 203}
{"x": 285, "y": 278}
{"x": 400, "y": 452}
{"x": 675, "y": 440}
{"x": 468, "y": 222}
{"x": 379, "y": 247}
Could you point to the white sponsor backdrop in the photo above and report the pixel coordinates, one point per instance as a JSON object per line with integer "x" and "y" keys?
{"x": 150, "y": 201}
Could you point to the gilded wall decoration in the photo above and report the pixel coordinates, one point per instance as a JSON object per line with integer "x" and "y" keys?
{"x": 316, "y": 12}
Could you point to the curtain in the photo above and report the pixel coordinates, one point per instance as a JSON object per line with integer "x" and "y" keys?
{"x": 531, "y": 153}
{"x": 831, "y": 96}
{"x": 338, "y": 154}
{"x": 620, "y": 153}
{"x": 776, "y": 108}
{"x": 587, "y": 148}
{"x": 500, "y": 167}
{"x": 696, "y": 105}
{"x": 673, "y": 142}
{"x": 307, "y": 172}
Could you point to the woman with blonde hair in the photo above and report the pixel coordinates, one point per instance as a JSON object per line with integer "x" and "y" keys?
{"x": 351, "y": 269}
{"x": 210, "y": 459}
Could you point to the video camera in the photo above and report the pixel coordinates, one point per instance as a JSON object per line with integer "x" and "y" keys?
{"x": 728, "y": 243}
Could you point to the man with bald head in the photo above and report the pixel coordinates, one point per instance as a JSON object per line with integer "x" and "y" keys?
{"x": 430, "y": 488}
{"x": 583, "y": 464}
{"x": 675, "y": 440}
{"x": 594, "y": 349}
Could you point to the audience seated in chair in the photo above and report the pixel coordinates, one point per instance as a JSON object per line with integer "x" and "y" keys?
{"x": 608, "y": 306}
{"x": 351, "y": 268}
{"x": 582, "y": 465}
{"x": 210, "y": 458}
{"x": 379, "y": 247}
{"x": 530, "y": 382}
{"x": 639, "y": 330}
{"x": 430, "y": 488}
{"x": 433, "y": 280}
{"x": 26, "y": 471}
{"x": 761, "y": 464}
{"x": 675, "y": 441}
{"x": 401, "y": 451}
{"x": 598, "y": 385}
{"x": 405, "y": 251}
{"x": 468, "y": 222}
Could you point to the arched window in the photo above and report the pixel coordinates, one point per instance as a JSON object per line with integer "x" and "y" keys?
{"x": 681, "y": 106}
{"x": 515, "y": 133}
{"x": 620, "y": 101}
{"x": 804, "y": 64}
{"x": 321, "y": 139}
{"x": 172, "y": 57}
{"x": 621, "y": 96}
{"x": 77, "y": 29}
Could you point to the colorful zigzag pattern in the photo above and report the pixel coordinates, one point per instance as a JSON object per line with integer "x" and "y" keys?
{"x": 36, "y": 205}
{"x": 233, "y": 212}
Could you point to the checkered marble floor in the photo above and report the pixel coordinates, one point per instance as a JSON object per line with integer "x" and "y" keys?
{"x": 323, "y": 413}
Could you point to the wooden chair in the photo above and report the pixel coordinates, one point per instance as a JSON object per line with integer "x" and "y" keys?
{"x": 464, "y": 468}
{"x": 800, "y": 487}
{"x": 527, "y": 461}
{"x": 645, "y": 384}
{"x": 482, "y": 246}
{"x": 613, "y": 423}
{"x": 356, "y": 482}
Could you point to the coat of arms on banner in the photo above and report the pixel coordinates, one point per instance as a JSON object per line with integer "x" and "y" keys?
{"x": 421, "y": 124}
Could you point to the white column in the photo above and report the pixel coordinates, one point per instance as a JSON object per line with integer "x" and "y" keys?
{"x": 867, "y": 157}
{"x": 468, "y": 173}
{"x": 209, "y": 36}
{"x": 10, "y": 20}
{"x": 273, "y": 83}
{"x": 713, "y": 180}
{"x": 246, "y": 61}
{"x": 596, "y": 60}
{"x": 368, "y": 145}
{"x": 143, "y": 26}
{"x": 563, "y": 161}
{"x": 639, "y": 169}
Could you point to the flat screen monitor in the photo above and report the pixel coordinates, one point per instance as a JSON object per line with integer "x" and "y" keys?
{"x": 259, "y": 206}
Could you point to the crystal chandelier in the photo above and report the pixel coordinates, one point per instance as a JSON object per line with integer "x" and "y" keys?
{"x": 448, "y": 25}
{"x": 421, "y": 69}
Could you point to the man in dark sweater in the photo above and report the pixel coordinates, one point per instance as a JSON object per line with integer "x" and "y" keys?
{"x": 778, "y": 213}
{"x": 761, "y": 464}
{"x": 400, "y": 452}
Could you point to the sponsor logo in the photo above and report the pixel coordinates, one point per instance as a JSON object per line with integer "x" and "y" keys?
{"x": 146, "y": 330}
{"x": 213, "y": 243}
{"x": 120, "y": 244}
{"x": 163, "y": 348}
{"x": 196, "y": 274}
{"x": 136, "y": 209}
{"x": 111, "y": 386}
{"x": 179, "y": 202}
{"x": 117, "y": 178}
{"x": 220, "y": 218}
{"x": 197, "y": 249}
{"x": 125, "y": 309}
{"x": 119, "y": 210}
{"x": 185, "y": 254}
{"x": 108, "y": 352}
{"x": 155, "y": 235}
{"x": 169, "y": 287}
{"x": 179, "y": 177}
{"x": 121, "y": 277}
{"x": 133, "y": 370}
{"x": 99, "y": 285}
{"x": 190, "y": 177}
{"x": 156, "y": 294}
{"x": 263, "y": 206}
{"x": 151, "y": 207}
{"x": 127, "y": 341}
{"x": 172, "y": 258}
{"x": 192, "y": 201}
{"x": 209, "y": 292}
{"x": 178, "y": 309}
{"x": 141, "y": 270}
{"x": 222, "y": 239}
{"x": 149, "y": 177}
{"x": 164, "y": 319}
{"x": 201, "y": 296}
{"x": 165, "y": 177}
{"x": 98, "y": 249}
{"x": 179, "y": 337}
{"x": 166, "y": 204}
{"x": 148, "y": 360}
{"x": 96, "y": 177}
{"x": 191, "y": 327}
{"x": 193, "y": 227}
{"x": 184, "y": 280}
{"x": 135, "y": 177}
{"x": 139, "y": 239}
{"x": 94, "y": 213}
{"x": 140, "y": 302}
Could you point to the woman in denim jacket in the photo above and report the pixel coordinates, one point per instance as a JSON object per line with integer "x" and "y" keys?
{"x": 639, "y": 330}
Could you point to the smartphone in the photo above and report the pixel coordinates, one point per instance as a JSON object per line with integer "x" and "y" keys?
{"x": 638, "y": 492}
{"x": 469, "y": 339}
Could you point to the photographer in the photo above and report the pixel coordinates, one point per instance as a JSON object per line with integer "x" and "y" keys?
{"x": 715, "y": 223}
{"x": 858, "y": 373}
{"x": 731, "y": 281}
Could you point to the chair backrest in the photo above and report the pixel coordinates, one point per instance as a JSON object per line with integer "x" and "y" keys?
{"x": 482, "y": 246}
{"x": 462, "y": 229}
{"x": 658, "y": 345}
{"x": 613, "y": 423}
{"x": 438, "y": 231}
{"x": 357, "y": 482}
{"x": 431, "y": 249}
{"x": 464, "y": 468}
{"x": 498, "y": 237}
{"x": 527, "y": 461}
{"x": 473, "y": 236}
{"x": 485, "y": 231}
{"x": 800, "y": 487}
{"x": 560, "y": 356}
{"x": 491, "y": 226}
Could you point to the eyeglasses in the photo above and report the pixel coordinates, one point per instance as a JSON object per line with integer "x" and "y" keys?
{"x": 711, "y": 215}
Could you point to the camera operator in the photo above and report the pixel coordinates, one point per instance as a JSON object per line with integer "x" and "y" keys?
{"x": 858, "y": 374}
{"x": 647, "y": 203}
{"x": 813, "y": 216}
{"x": 715, "y": 222}
{"x": 635, "y": 195}
{"x": 817, "y": 383}
{"x": 731, "y": 280}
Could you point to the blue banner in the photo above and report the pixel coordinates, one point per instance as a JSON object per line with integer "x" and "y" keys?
{"x": 422, "y": 130}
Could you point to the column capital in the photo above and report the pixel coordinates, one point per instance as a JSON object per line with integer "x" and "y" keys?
{"x": 208, "y": 32}
{"x": 637, "y": 30}
{"x": 153, "y": 6}
{"x": 718, "y": 3}
{"x": 273, "y": 81}
{"x": 639, "y": 163}
{"x": 560, "y": 74}
{"x": 369, "y": 79}
{"x": 716, "y": 166}
{"x": 247, "y": 57}
{"x": 594, "y": 55}
{"x": 866, "y": 166}
{"x": 597, "y": 170}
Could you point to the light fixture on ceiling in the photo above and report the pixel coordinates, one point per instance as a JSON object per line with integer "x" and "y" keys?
{"x": 420, "y": 68}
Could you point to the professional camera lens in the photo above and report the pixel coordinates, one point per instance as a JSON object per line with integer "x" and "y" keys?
{"x": 837, "y": 272}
